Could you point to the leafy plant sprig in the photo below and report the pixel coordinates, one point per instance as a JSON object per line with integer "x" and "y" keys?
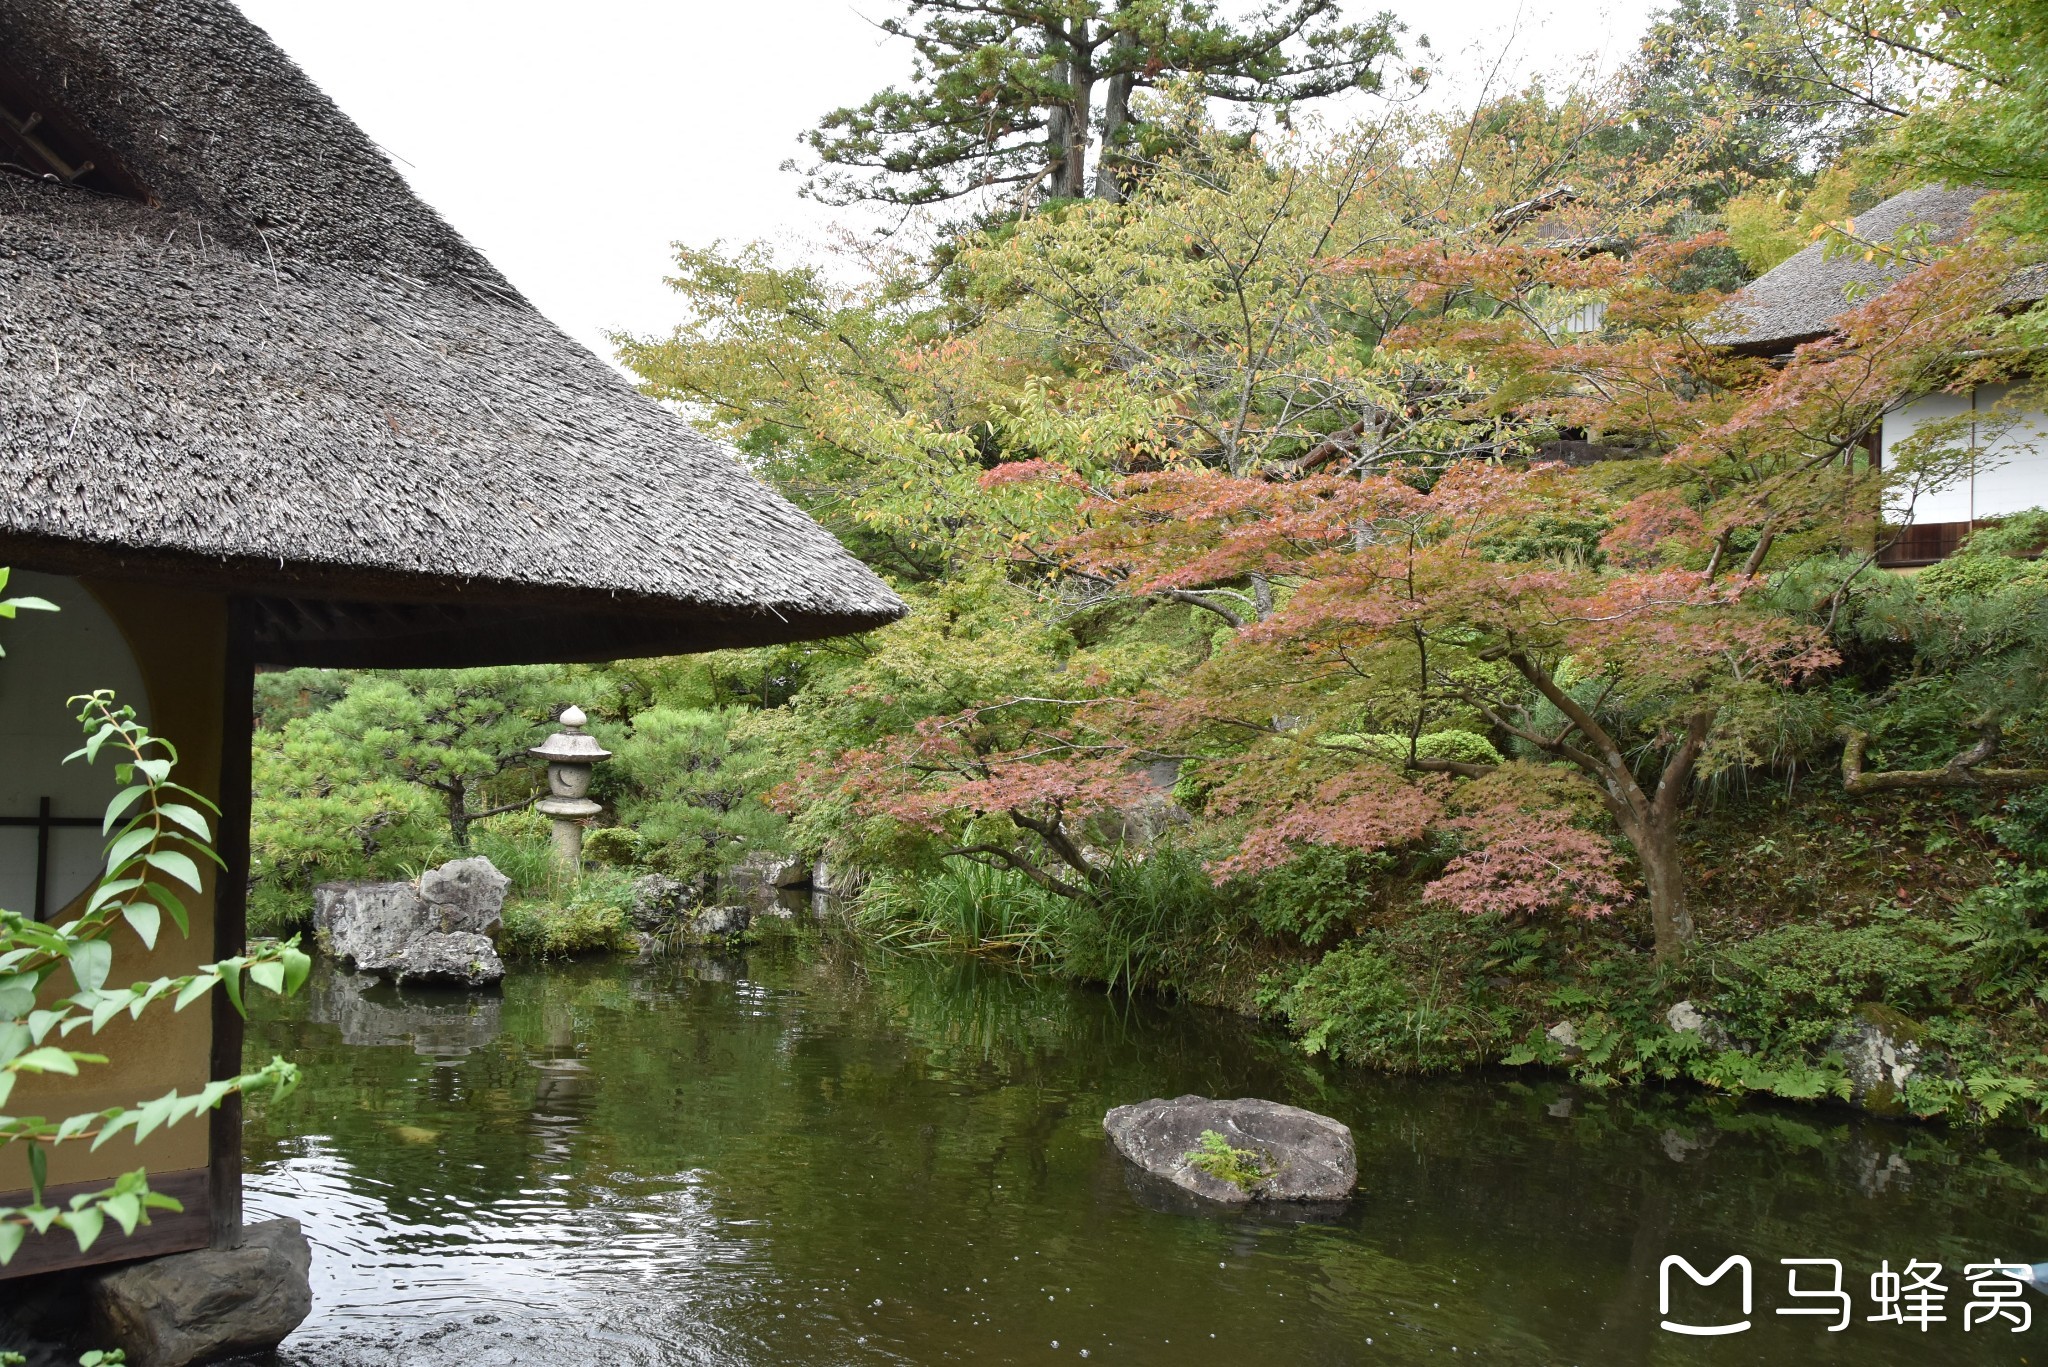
{"x": 1215, "y": 1155}
{"x": 158, "y": 832}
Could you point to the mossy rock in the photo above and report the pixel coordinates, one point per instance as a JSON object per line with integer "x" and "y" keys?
{"x": 1892, "y": 1021}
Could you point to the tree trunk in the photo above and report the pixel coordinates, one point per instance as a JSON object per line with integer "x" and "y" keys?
{"x": 1116, "y": 117}
{"x": 1059, "y": 136}
{"x": 1079, "y": 114}
{"x": 1656, "y": 842}
{"x": 456, "y": 794}
{"x": 1650, "y": 820}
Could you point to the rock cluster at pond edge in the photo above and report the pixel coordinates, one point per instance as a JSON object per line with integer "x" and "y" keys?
{"x": 208, "y": 1305}
{"x": 1303, "y": 1156}
{"x": 444, "y": 929}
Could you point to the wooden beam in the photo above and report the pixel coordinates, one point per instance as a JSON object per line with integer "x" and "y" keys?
{"x": 166, "y": 1232}
{"x": 231, "y": 916}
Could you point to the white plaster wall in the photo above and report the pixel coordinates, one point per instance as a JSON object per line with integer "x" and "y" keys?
{"x": 2009, "y": 475}
{"x": 1947, "y": 503}
{"x": 2012, "y": 458}
{"x": 51, "y": 656}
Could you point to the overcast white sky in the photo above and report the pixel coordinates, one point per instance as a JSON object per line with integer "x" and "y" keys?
{"x": 574, "y": 143}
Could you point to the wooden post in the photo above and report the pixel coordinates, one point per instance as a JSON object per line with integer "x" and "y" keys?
{"x": 231, "y": 918}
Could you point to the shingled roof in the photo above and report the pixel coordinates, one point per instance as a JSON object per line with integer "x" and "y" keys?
{"x": 253, "y": 359}
{"x": 1798, "y": 299}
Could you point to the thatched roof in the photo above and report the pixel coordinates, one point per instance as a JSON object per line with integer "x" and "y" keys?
{"x": 288, "y": 377}
{"x": 1799, "y": 299}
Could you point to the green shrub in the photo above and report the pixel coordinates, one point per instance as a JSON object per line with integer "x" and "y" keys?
{"x": 519, "y": 845}
{"x": 1411, "y": 999}
{"x": 2003, "y": 927}
{"x": 1317, "y": 893}
{"x": 595, "y": 919}
{"x": 315, "y": 818}
{"x": 689, "y": 787}
{"x": 1466, "y": 747}
{"x": 1157, "y": 922}
{"x": 963, "y": 906}
{"x": 615, "y": 845}
{"x": 1355, "y": 1006}
{"x": 1794, "y": 986}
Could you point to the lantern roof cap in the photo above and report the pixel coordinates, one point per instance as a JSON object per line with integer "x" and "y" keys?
{"x": 571, "y": 744}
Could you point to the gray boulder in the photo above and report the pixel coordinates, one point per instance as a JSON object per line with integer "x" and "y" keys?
{"x": 441, "y": 930}
{"x": 660, "y": 902}
{"x": 454, "y": 957}
{"x": 367, "y": 924}
{"x": 720, "y": 923}
{"x": 826, "y": 876}
{"x": 1688, "y": 1019}
{"x": 1881, "y": 1054}
{"x": 467, "y": 895}
{"x": 1298, "y": 1155}
{"x": 207, "y": 1305}
{"x": 756, "y": 878}
{"x": 1136, "y": 827}
{"x": 1565, "y": 1036}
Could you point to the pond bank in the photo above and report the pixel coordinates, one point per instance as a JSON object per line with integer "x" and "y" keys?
{"x": 803, "y": 1155}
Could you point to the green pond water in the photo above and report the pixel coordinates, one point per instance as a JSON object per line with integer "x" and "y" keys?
{"x": 806, "y": 1156}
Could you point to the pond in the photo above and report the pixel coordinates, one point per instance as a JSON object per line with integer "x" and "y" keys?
{"x": 807, "y": 1156}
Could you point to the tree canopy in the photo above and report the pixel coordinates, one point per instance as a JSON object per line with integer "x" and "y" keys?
{"x": 1031, "y": 97}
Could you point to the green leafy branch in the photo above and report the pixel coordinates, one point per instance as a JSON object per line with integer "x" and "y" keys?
{"x": 158, "y": 833}
{"x": 11, "y": 606}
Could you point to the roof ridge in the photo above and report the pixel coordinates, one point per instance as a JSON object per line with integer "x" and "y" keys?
{"x": 218, "y": 121}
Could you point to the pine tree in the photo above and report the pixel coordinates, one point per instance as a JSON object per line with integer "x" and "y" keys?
{"x": 1015, "y": 93}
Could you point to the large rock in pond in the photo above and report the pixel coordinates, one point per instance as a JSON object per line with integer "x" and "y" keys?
{"x": 208, "y": 1305}
{"x": 466, "y": 895}
{"x": 438, "y": 931}
{"x": 754, "y": 880}
{"x": 1263, "y": 1151}
{"x": 720, "y": 923}
{"x": 367, "y": 924}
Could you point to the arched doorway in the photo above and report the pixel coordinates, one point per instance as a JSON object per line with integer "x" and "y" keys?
{"x": 50, "y": 838}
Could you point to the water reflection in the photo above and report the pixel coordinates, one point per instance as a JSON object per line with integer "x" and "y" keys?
{"x": 438, "y": 1023}
{"x": 813, "y": 1158}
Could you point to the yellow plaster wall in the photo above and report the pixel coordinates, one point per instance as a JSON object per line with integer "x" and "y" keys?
{"x": 179, "y": 641}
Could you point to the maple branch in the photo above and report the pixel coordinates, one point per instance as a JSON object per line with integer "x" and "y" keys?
{"x": 1056, "y": 839}
{"x": 1960, "y": 772}
{"x": 1610, "y": 757}
{"x": 1677, "y": 769}
{"x": 1023, "y": 865}
{"x": 1766, "y": 535}
{"x": 1195, "y": 598}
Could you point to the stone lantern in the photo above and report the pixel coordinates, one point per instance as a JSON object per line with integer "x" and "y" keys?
{"x": 571, "y": 755}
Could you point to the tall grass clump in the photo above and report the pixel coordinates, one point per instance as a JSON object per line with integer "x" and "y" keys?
{"x": 963, "y": 907}
{"x": 1155, "y": 922}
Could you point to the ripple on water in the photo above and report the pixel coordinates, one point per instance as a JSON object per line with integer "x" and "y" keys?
{"x": 558, "y": 1261}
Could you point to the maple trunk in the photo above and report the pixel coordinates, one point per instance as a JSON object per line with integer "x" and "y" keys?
{"x": 1656, "y": 842}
